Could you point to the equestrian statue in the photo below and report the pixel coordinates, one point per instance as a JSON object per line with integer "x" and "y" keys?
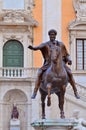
{"x": 54, "y": 75}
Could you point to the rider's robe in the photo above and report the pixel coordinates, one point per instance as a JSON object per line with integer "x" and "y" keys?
{"x": 45, "y": 50}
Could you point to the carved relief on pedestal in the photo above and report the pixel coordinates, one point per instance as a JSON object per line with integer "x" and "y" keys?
{"x": 80, "y": 9}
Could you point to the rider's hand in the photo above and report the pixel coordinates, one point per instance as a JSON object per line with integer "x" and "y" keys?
{"x": 30, "y": 47}
{"x": 69, "y": 62}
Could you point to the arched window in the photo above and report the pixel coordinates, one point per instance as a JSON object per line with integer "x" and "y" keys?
{"x": 13, "y": 4}
{"x": 13, "y": 54}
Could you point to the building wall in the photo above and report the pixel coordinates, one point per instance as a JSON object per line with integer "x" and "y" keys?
{"x": 68, "y": 15}
{"x": 52, "y": 14}
{"x": 17, "y": 90}
{"x": 48, "y": 15}
{"x": 38, "y": 32}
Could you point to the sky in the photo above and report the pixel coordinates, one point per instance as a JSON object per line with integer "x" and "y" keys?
{"x": 13, "y": 4}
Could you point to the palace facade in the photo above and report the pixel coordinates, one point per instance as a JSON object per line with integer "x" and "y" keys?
{"x": 27, "y": 22}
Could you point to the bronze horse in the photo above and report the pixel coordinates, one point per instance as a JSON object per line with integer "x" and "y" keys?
{"x": 54, "y": 80}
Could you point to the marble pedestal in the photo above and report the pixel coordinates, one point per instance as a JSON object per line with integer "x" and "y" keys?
{"x": 14, "y": 124}
{"x": 57, "y": 124}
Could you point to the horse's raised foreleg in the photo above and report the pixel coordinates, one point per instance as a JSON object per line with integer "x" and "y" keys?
{"x": 43, "y": 96}
{"x": 61, "y": 101}
{"x": 49, "y": 94}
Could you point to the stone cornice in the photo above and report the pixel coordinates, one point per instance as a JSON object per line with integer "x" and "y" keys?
{"x": 77, "y": 25}
{"x": 32, "y": 23}
{"x": 17, "y": 17}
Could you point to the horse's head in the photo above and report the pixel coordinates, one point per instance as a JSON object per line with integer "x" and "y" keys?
{"x": 55, "y": 53}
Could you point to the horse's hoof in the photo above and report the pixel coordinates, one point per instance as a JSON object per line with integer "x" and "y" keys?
{"x": 33, "y": 96}
{"x": 62, "y": 117}
{"x": 48, "y": 104}
{"x": 43, "y": 117}
{"x": 77, "y": 95}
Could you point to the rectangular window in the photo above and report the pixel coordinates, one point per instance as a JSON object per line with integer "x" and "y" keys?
{"x": 81, "y": 54}
{"x": 13, "y": 4}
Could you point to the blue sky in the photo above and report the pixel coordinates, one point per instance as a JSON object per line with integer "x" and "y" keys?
{"x": 13, "y": 4}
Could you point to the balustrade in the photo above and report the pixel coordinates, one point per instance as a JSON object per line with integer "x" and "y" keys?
{"x": 17, "y": 72}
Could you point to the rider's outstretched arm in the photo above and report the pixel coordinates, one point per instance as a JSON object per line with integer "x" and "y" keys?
{"x": 36, "y": 47}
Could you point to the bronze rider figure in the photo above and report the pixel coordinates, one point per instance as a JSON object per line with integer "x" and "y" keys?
{"x": 45, "y": 50}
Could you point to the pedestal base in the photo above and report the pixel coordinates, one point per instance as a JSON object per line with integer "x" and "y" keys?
{"x": 14, "y": 124}
{"x": 57, "y": 124}
{"x": 14, "y": 128}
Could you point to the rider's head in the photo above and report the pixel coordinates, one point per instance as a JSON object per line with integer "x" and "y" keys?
{"x": 52, "y": 34}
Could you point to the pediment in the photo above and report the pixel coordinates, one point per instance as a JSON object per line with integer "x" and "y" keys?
{"x": 77, "y": 25}
{"x": 11, "y": 17}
